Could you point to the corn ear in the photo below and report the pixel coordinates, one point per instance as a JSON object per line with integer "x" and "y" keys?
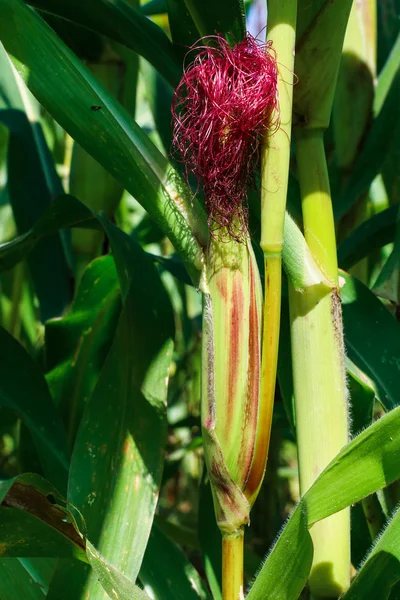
{"x": 231, "y": 374}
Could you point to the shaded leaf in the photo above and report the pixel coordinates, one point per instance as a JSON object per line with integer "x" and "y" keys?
{"x": 77, "y": 345}
{"x": 16, "y": 582}
{"x": 24, "y": 389}
{"x": 68, "y": 91}
{"x": 372, "y": 338}
{"x": 63, "y": 212}
{"x": 35, "y": 522}
{"x": 123, "y": 23}
{"x": 172, "y": 579}
{"x": 32, "y": 184}
{"x": 226, "y": 17}
{"x": 117, "y": 460}
{"x": 368, "y": 463}
{"x": 381, "y": 570}
{"x": 210, "y": 540}
{"x": 374, "y": 233}
{"x": 113, "y": 581}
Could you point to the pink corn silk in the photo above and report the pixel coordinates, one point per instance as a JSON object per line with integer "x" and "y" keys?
{"x": 226, "y": 100}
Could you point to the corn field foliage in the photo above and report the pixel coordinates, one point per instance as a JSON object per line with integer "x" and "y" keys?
{"x": 103, "y": 488}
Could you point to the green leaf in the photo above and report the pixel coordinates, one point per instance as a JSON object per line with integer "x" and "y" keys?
{"x": 113, "y": 581}
{"x": 154, "y": 7}
{"x": 66, "y": 211}
{"x": 372, "y": 338}
{"x": 370, "y": 462}
{"x": 63, "y": 212}
{"x": 227, "y": 17}
{"x": 294, "y": 547}
{"x": 362, "y": 398}
{"x": 388, "y": 29}
{"x": 387, "y": 282}
{"x": 183, "y": 29}
{"x": 77, "y": 345}
{"x": 24, "y": 389}
{"x": 374, "y": 233}
{"x": 387, "y": 76}
{"x": 68, "y": 91}
{"x": 381, "y": 570}
{"x": 24, "y": 535}
{"x": 34, "y": 521}
{"x": 41, "y": 570}
{"x": 69, "y": 580}
{"x": 210, "y": 540}
{"x": 172, "y": 579}
{"x": 16, "y": 582}
{"x": 32, "y": 184}
{"x": 124, "y": 24}
{"x": 117, "y": 460}
{"x": 377, "y": 147}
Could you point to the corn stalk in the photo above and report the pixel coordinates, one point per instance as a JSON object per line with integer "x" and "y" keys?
{"x": 316, "y": 322}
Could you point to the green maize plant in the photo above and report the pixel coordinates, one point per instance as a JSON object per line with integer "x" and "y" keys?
{"x": 199, "y": 300}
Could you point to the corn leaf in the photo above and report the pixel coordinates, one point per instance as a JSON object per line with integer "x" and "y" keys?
{"x": 68, "y": 91}
{"x": 372, "y": 338}
{"x": 226, "y": 17}
{"x": 122, "y": 23}
{"x": 382, "y": 138}
{"x": 77, "y": 344}
{"x": 175, "y": 579}
{"x": 34, "y": 521}
{"x": 17, "y": 582}
{"x": 374, "y": 233}
{"x": 31, "y": 194}
{"x": 381, "y": 569}
{"x": 367, "y": 464}
{"x": 117, "y": 460}
{"x": 29, "y": 395}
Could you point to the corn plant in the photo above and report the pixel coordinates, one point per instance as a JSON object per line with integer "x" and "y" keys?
{"x": 199, "y": 299}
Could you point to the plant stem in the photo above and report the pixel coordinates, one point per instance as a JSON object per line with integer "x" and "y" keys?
{"x": 318, "y": 367}
{"x": 275, "y": 156}
{"x": 232, "y": 566}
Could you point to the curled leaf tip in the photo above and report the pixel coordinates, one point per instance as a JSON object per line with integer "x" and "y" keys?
{"x": 225, "y": 101}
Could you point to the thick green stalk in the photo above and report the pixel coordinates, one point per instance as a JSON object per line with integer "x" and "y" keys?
{"x": 318, "y": 367}
{"x": 275, "y": 169}
{"x": 316, "y": 322}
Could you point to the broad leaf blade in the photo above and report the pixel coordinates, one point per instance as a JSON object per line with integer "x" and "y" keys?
{"x": 16, "y": 582}
{"x": 172, "y": 579}
{"x": 32, "y": 184}
{"x": 226, "y": 17}
{"x": 372, "y": 338}
{"x": 64, "y": 211}
{"x": 117, "y": 460}
{"x": 68, "y": 91}
{"x": 374, "y": 233}
{"x": 24, "y": 389}
{"x": 113, "y": 581}
{"x": 368, "y": 463}
{"x": 381, "y": 570}
{"x": 77, "y": 345}
{"x": 124, "y": 24}
{"x": 35, "y": 522}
